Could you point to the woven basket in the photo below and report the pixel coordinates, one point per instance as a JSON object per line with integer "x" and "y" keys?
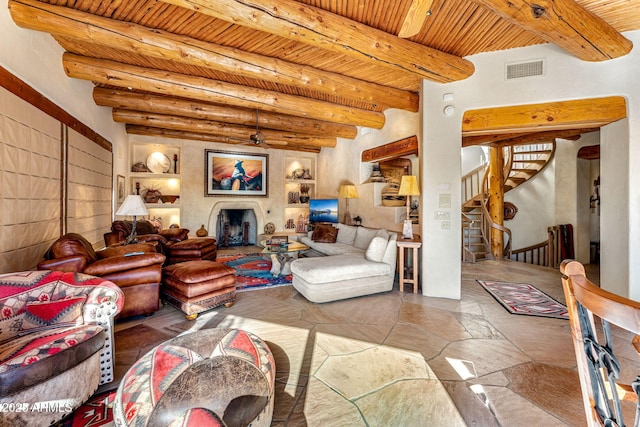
{"x": 139, "y": 167}
{"x": 390, "y": 195}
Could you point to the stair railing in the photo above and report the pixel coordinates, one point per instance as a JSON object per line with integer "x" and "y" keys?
{"x": 468, "y": 224}
{"x": 475, "y": 184}
{"x": 545, "y": 254}
{"x": 472, "y": 183}
{"x": 488, "y": 224}
{"x": 537, "y": 254}
{"x": 474, "y": 187}
{"x": 507, "y": 153}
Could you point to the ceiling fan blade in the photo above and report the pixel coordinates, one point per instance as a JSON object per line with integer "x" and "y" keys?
{"x": 416, "y": 16}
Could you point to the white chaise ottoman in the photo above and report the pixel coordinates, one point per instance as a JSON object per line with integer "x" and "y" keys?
{"x": 336, "y": 277}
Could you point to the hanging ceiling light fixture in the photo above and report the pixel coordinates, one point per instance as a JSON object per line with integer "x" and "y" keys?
{"x": 257, "y": 138}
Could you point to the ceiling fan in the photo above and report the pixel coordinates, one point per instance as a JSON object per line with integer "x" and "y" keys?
{"x": 257, "y": 138}
{"x": 419, "y": 11}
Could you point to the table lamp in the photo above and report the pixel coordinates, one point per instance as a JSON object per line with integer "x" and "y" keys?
{"x": 347, "y": 191}
{"x": 408, "y": 188}
{"x": 133, "y": 205}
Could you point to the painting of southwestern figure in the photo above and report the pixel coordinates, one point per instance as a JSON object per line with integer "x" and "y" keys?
{"x": 235, "y": 174}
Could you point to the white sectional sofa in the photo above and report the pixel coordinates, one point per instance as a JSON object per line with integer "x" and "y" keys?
{"x": 362, "y": 261}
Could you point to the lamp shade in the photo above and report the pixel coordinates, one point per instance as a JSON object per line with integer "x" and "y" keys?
{"x": 409, "y": 186}
{"x": 133, "y": 205}
{"x": 348, "y": 191}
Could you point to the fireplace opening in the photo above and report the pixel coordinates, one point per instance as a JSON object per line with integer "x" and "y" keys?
{"x": 236, "y": 227}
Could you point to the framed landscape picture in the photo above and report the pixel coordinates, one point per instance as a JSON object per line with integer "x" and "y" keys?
{"x": 120, "y": 191}
{"x": 229, "y": 173}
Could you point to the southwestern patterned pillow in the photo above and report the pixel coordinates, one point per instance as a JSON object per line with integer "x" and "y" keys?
{"x": 52, "y": 314}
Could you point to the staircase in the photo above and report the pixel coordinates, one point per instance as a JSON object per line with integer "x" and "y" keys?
{"x": 522, "y": 162}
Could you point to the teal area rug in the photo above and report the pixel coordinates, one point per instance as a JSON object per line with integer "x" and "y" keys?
{"x": 253, "y": 272}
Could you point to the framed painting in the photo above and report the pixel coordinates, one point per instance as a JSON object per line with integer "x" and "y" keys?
{"x": 120, "y": 190}
{"x": 229, "y": 173}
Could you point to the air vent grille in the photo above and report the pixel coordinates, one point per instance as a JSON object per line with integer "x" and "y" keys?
{"x": 525, "y": 69}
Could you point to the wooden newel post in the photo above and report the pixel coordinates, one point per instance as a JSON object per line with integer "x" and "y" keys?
{"x": 496, "y": 199}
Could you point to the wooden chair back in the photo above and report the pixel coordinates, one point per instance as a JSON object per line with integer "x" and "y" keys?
{"x": 593, "y": 314}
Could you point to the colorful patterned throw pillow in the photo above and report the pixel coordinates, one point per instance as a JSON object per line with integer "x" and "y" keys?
{"x": 53, "y": 314}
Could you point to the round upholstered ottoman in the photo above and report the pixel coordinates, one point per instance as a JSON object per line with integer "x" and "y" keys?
{"x": 212, "y": 377}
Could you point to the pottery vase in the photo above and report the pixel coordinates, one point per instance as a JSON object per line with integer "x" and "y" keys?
{"x": 202, "y": 232}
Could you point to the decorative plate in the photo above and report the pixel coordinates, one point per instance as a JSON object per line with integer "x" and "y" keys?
{"x": 158, "y": 162}
{"x": 269, "y": 228}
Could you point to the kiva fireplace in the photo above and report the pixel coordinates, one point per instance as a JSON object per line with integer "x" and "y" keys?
{"x": 236, "y": 227}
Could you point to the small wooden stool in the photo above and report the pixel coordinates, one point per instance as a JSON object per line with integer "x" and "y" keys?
{"x": 197, "y": 286}
{"x": 403, "y": 244}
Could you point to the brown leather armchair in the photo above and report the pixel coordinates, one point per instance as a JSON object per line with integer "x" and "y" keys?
{"x": 145, "y": 232}
{"x": 136, "y": 269}
{"x": 172, "y": 242}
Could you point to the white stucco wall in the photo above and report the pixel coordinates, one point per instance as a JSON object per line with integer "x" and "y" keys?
{"x": 341, "y": 165}
{"x": 619, "y": 215}
{"x": 36, "y": 58}
{"x": 535, "y": 208}
{"x": 441, "y": 174}
{"x": 565, "y": 78}
{"x": 473, "y": 157}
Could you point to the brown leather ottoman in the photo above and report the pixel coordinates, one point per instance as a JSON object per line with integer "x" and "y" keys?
{"x": 197, "y": 286}
{"x": 198, "y": 248}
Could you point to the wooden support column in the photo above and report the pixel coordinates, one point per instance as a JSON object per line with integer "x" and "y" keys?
{"x": 496, "y": 199}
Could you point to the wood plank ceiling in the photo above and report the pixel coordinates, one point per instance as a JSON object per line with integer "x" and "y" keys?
{"x": 299, "y": 73}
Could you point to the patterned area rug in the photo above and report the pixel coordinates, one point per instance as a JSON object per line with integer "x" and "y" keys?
{"x": 253, "y": 272}
{"x": 96, "y": 412}
{"x": 522, "y": 298}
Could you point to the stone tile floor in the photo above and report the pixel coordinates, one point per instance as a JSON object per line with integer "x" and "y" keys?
{"x": 399, "y": 359}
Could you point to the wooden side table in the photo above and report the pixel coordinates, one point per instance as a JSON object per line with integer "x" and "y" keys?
{"x": 403, "y": 244}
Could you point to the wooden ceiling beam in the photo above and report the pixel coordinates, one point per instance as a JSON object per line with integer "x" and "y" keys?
{"x": 560, "y": 115}
{"x": 589, "y": 152}
{"x": 403, "y": 147}
{"x": 150, "y": 103}
{"x": 137, "y": 39}
{"x": 141, "y": 118}
{"x": 325, "y": 30}
{"x": 566, "y": 24}
{"x": 523, "y": 138}
{"x": 195, "y": 136}
{"x": 162, "y": 82}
